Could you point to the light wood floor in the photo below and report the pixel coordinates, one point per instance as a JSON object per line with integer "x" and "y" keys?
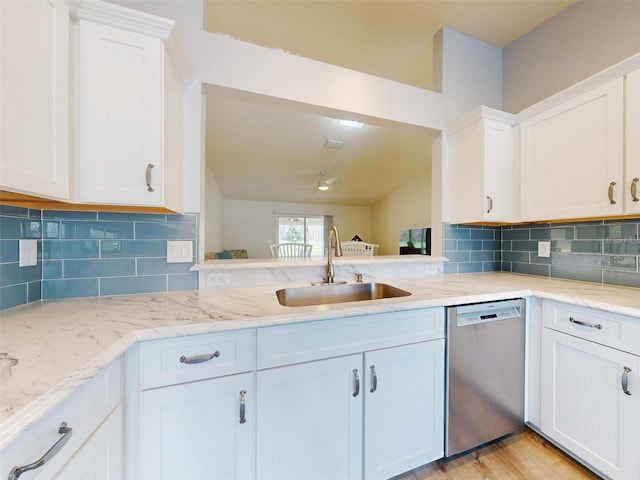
{"x": 523, "y": 456}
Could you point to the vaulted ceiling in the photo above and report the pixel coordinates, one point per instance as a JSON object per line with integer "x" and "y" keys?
{"x": 260, "y": 152}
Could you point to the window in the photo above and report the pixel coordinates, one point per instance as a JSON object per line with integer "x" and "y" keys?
{"x": 304, "y": 229}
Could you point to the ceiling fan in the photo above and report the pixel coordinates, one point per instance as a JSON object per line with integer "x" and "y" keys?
{"x": 324, "y": 183}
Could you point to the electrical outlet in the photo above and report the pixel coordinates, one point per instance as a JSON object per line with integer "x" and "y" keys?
{"x": 217, "y": 278}
{"x": 28, "y": 255}
{"x": 179, "y": 251}
{"x": 544, "y": 249}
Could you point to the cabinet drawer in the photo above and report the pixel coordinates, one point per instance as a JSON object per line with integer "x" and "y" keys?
{"x": 287, "y": 344}
{"x": 185, "y": 359}
{"x": 83, "y": 411}
{"x": 610, "y": 329}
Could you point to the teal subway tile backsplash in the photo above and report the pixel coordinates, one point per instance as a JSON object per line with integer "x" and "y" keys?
{"x": 92, "y": 253}
{"x": 471, "y": 249}
{"x": 68, "y": 288}
{"x": 605, "y": 251}
{"x": 99, "y": 268}
{"x": 596, "y": 251}
{"x": 127, "y": 285}
{"x": 19, "y": 285}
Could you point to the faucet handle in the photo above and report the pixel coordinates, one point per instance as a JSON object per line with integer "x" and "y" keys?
{"x": 358, "y": 277}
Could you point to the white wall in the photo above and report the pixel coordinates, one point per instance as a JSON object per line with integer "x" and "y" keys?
{"x": 407, "y": 207}
{"x": 252, "y": 225}
{"x": 575, "y": 44}
{"x": 212, "y": 213}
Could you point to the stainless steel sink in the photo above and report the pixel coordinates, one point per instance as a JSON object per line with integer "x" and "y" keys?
{"x": 337, "y": 293}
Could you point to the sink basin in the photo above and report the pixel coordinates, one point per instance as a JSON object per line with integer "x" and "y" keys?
{"x": 337, "y": 293}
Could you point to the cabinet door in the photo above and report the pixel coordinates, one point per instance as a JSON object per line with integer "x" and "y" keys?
{"x": 632, "y": 159}
{"x": 310, "y": 421}
{"x": 404, "y": 408}
{"x": 500, "y": 192}
{"x": 34, "y": 98}
{"x": 481, "y": 168}
{"x": 572, "y": 157}
{"x": 100, "y": 458}
{"x": 198, "y": 430}
{"x": 584, "y": 407}
{"x": 119, "y": 116}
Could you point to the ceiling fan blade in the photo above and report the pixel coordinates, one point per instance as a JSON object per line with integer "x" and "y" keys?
{"x": 331, "y": 180}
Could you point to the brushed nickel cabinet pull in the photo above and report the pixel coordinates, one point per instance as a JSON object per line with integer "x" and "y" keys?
{"x": 356, "y": 380}
{"x": 149, "y": 168}
{"x": 374, "y": 379}
{"x": 625, "y": 380}
{"x": 199, "y": 358}
{"x": 611, "y": 200}
{"x": 66, "y": 433}
{"x": 490, "y": 204}
{"x": 634, "y": 189}
{"x": 585, "y": 324}
{"x": 243, "y": 418}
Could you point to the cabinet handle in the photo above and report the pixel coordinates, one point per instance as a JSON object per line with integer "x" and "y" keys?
{"x": 374, "y": 379}
{"x": 243, "y": 418}
{"x": 611, "y": 200}
{"x": 634, "y": 187}
{"x": 149, "y": 168}
{"x": 585, "y": 324}
{"x": 625, "y": 380}
{"x": 356, "y": 380}
{"x": 66, "y": 433}
{"x": 205, "y": 357}
{"x": 490, "y": 202}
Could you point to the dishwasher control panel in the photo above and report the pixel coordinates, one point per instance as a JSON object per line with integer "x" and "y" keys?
{"x": 487, "y": 312}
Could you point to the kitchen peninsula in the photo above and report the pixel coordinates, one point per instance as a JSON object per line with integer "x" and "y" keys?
{"x": 52, "y": 348}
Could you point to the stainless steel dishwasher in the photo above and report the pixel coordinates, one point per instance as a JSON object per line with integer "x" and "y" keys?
{"x": 485, "y": 373}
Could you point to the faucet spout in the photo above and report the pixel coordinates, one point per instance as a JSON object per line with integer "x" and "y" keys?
{"x": 333, "y": 233}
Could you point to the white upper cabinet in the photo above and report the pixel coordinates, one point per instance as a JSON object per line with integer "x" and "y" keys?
{"x": 121, "y": 158}
{"x": 482, "y": 168}
{"x": 572, "y": 157}
{"x": 632, "y": 160}
{"x": 34, "y": 98}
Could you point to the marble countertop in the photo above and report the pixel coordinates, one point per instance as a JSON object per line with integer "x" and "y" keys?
{"x": 50, "y": 347}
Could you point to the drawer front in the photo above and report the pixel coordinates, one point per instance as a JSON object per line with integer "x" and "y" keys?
{"x": 610, "y": 329}
{"x": 185, "y": 359}
{"x": 83, "y": 411}
{"x": 287, "y": 344}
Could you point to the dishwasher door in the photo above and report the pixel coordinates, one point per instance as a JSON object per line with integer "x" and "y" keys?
{"x": 485, "y": 373}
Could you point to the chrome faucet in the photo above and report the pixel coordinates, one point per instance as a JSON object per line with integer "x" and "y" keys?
{"x": 330, "y": 277}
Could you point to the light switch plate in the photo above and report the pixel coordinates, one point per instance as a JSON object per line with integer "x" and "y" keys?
{"x": 544, "y": 249}
{"x": 28, "y": 256}
{"x": 179, "y": 251}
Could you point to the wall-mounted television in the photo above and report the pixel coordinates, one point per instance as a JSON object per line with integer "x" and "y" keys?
{"x": 415, "y": 241}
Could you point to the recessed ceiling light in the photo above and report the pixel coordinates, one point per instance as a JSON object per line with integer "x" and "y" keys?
{"x": 350, "y": 123}
{"x": 334, "y": 143}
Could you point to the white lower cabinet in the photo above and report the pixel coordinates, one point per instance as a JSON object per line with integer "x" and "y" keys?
{"x": 100, "y": 458}
{"x": 373, "y": 411}
{"x": 195, "y": 407}
{"x": 404, "y": 405}
{"x": 347, "y": 398}
{"x": 310, "y": 416}
{"x": 310, "y": 420}
{"x": 78, "y": 438}
{"x": 200, "y": 430}
{"x": 591, "y": 402}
